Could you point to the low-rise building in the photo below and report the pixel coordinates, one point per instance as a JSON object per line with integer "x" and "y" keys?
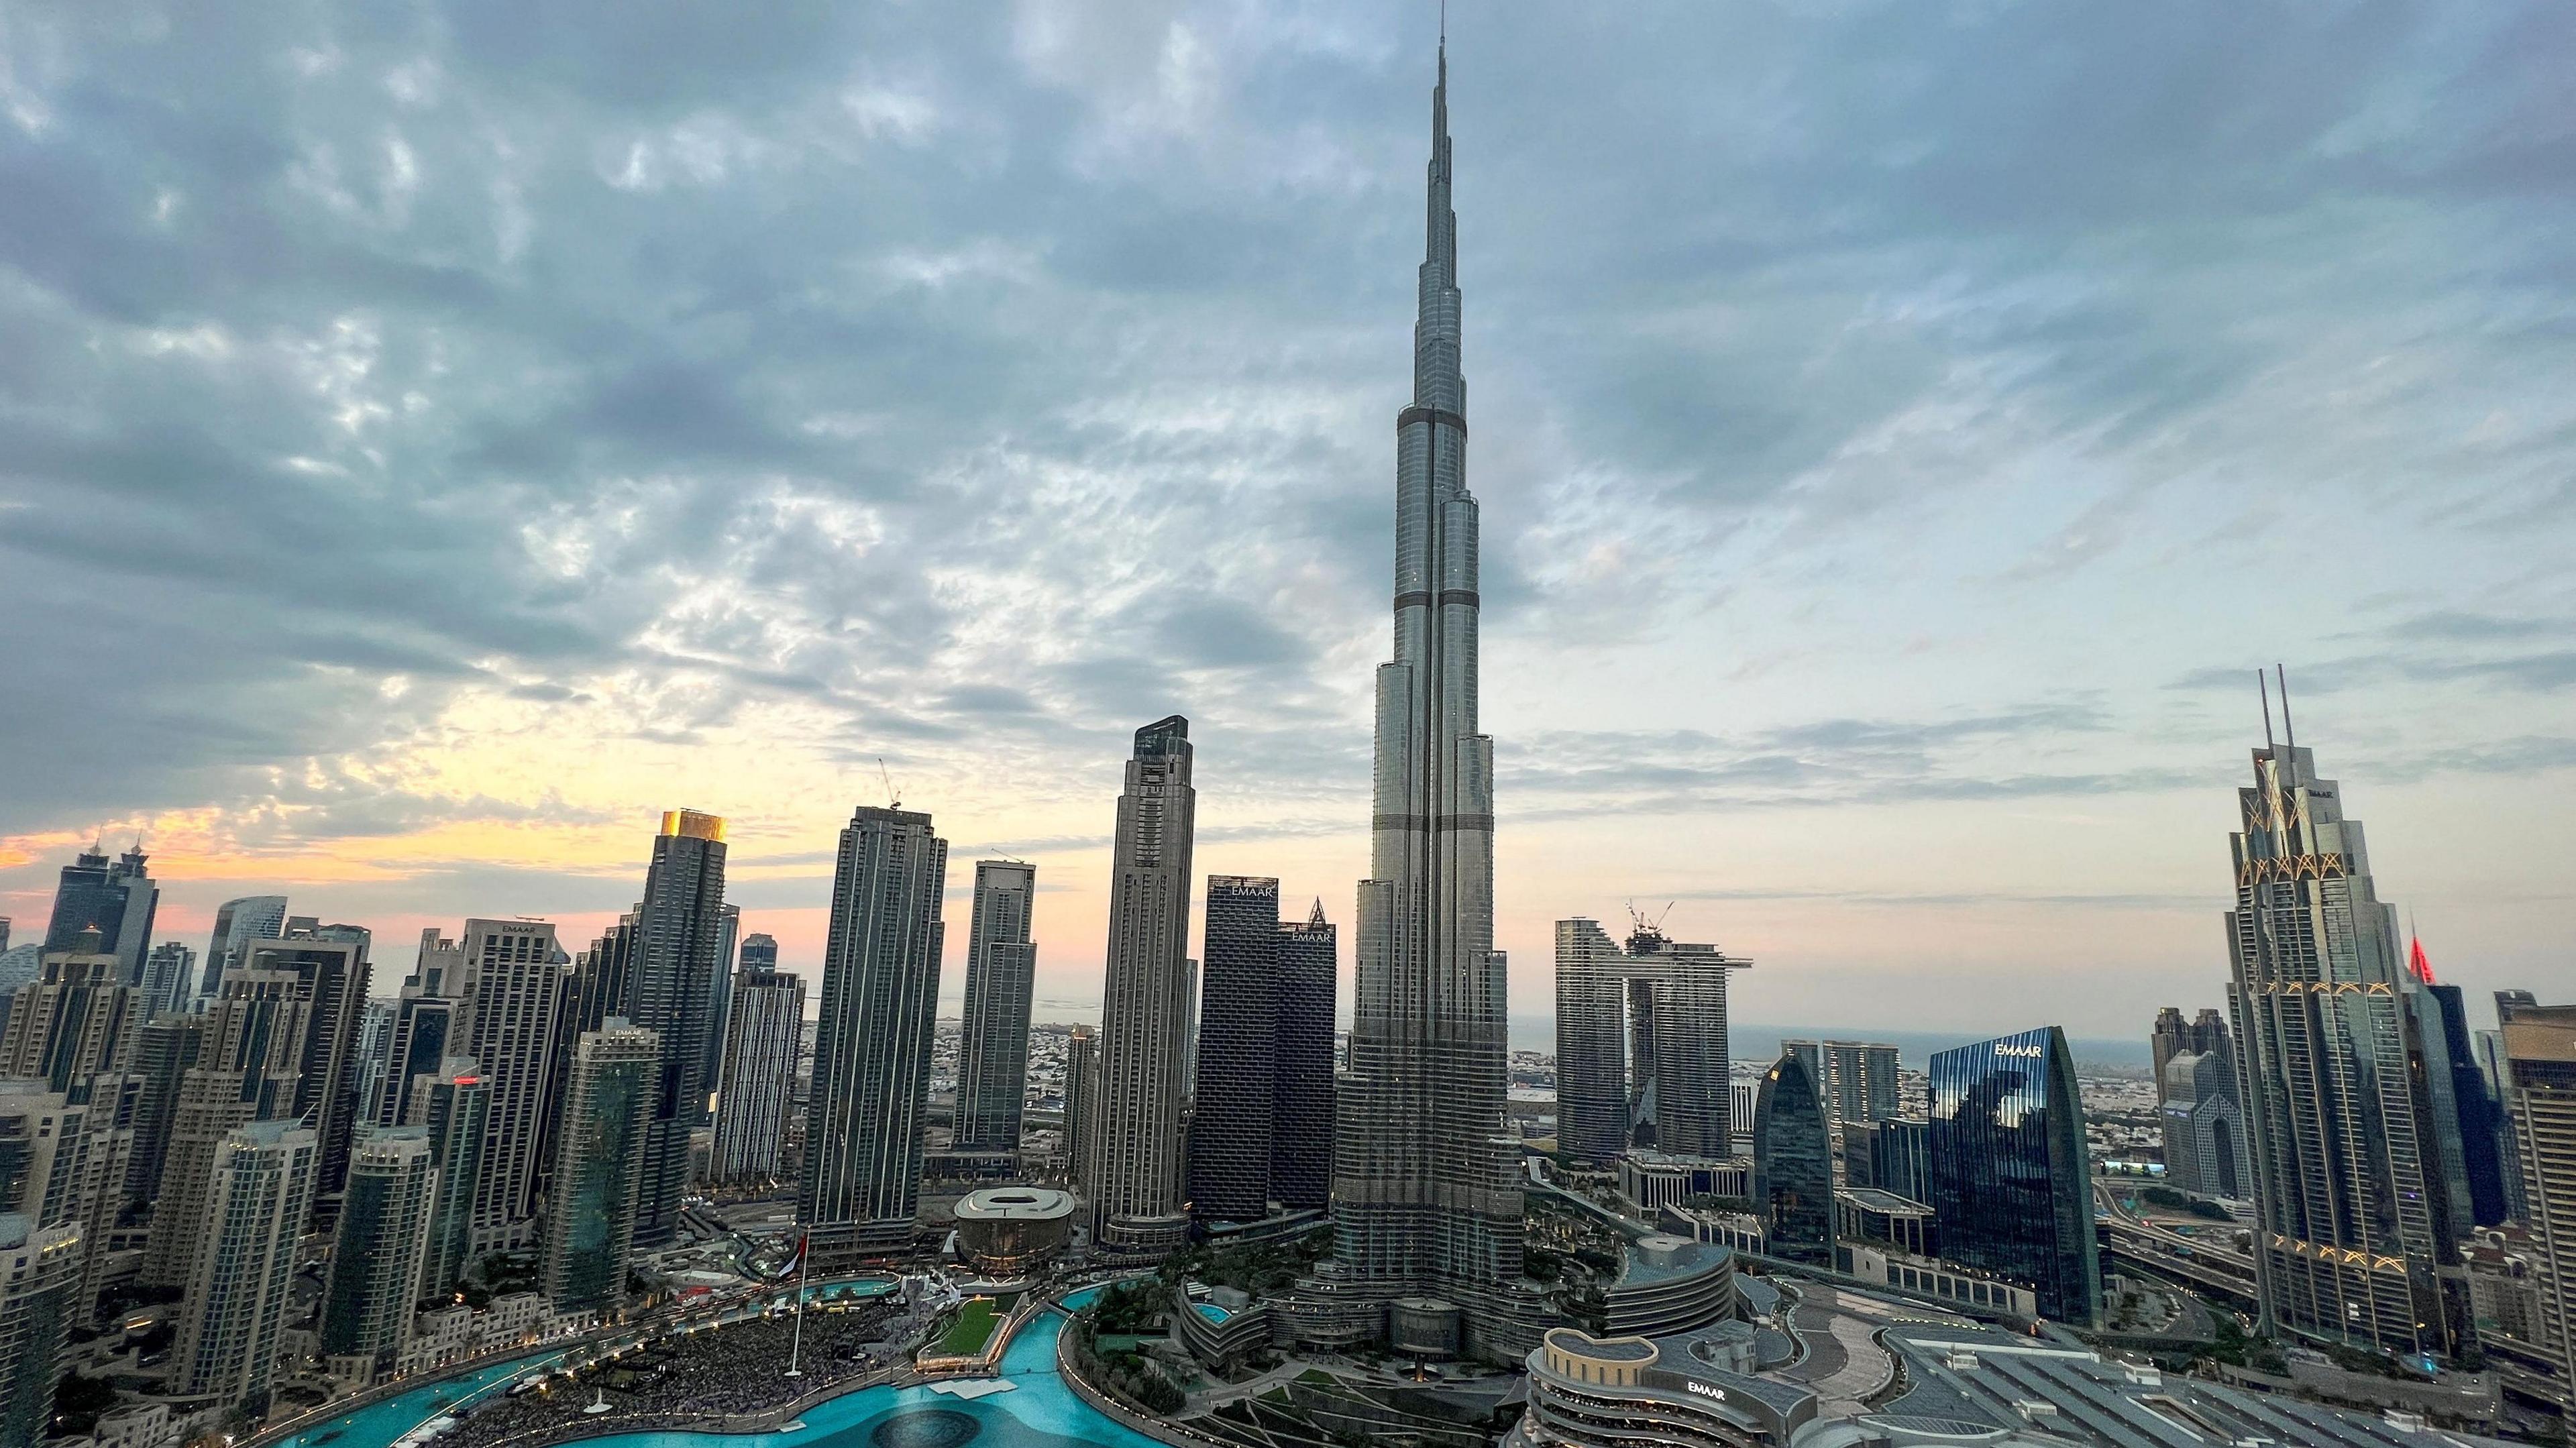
{"x": 1884, "y": 1266}
{"x": 1654, "y": 1179}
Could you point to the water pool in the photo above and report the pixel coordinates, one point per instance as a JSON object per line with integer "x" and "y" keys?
{"x": 1039, "y": 1411}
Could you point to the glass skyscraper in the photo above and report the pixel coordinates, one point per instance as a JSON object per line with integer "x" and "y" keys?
{"x": 1136, "y": 1187}
{"x": 2011, "y": 1185}
{"x": 1301, "y": 1063}
{"x": 591, "y": 1223}
{"x": 680, "y": 955}
{"x": 2353, "y": 1201}
{"x": 1793, "y": 1163}
{"x": 1001, "y": 971}
{"x": 1230, "y": 1135}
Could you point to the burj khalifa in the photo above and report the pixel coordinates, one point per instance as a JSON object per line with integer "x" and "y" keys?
{"x": 1426, "y": 1191}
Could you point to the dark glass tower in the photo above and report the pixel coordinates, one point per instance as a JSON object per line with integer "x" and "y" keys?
{"x": 2481, "y": 1125}
{"x": 2011, "y": 1185}
{"x": 1301, "y": 1064}
{"x": 117, "y": 898}
{"x": 1900, "y": 1158}
{"x": 1641, "y": 1047}
{"x": 678, "y": 956}
{"x": 1793, "y": 1164}
{"x": 1001, "y": 972}
{"x": 1238, "y": 1026}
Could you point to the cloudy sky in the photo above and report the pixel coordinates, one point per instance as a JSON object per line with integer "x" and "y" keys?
{"x": 435, "y": 438}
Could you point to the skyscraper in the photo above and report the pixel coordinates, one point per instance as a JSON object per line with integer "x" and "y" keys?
{"x": 236, "y": 1301}
{"x": 376, "y": 1260}
{"x": 1001, "y": 972}
{"x": 763, "y": 1030}
{"x": 2206, "y": 1032}
{"x": 679, "y": 936}
{"x": 63, "y": 1163}
{"x": 2204, "y": 1126}
{"x": 871, "y": 1090}
{"x": 330, "y": 967}
{"x": 117, "y": 898}
{"x": 1641, "y": 1049}
{"x": 169, "y": 973}
{"x": 249, "y": 1059}
{"x": 758, "y": 952}
{"x": 77, "y": 1021}
{"x": 720, "y": 1002}
{"x": 2347, "y": 1242}
{"x": 608, "y": 1114}
{"x": 2478, "y": 1126}
{"x": 1081, "y": 1101}
{"x": 1229, "y": 1162}
{"x": 453, "y": 1105}
{"x": 1793, "y": 1164}
{"x": 1301, "y": 1063}
{"x": 237, "y": 924}
{"x": 164, "y": 1049}
{"x": 2012, "y": 1186}
{"x": 424, "y": 1020}
{"x": 1135, "y": 1187}
{"x": 1426, "y": 1181}
{"x": 39, "y": 1277}
{"x": 2540, "y": 1071}
{"x": 514, "y": 989}
{"x": 1861, "y": 1081}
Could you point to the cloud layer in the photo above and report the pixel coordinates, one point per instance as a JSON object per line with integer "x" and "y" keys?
{"x": 435, "y": 438}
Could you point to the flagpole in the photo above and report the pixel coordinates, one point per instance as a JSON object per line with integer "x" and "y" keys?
{"x": 804, "y": 1242}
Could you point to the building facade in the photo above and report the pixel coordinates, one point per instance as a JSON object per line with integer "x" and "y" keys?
{"x": 1135, "y": 1186}
{"x": 1230, "y": 1134}
{"x": 680, "y": 935}
{"x": 2540, "y": 1065}
{"x": 249, "y": 1059}
{"x": 169, "y": 974}
{"x": 1302, "y": 1000}
{"x": 2204, "y": 1126}
{"x": 329, "y": 966}
{"x": 863, "y": 1139}
{"x": 383, "y": 1231}
{"x": 74, "y": 1021}
{"x": 1641, "y": 1053}
{"x": 116, "y": 898}
{"x": 453, "y": 1105}
{"x": 1793, "y": 1164}
{"x": 2349, "y": 1239}
{"x": 764, "y": 1033}
{"x": 514, "y": 978}
{"x": 607, "y": 1136}
{"x": 1001, "y": 973}
{"x": 2012, "y": 1186}
{"x": 1081, "y": 1101}
{"x": 237, "y": 924}
{"x": 40, "y": 1270}
{"x": 234, "y": 1310}
{"x": 1426, "y": 1180}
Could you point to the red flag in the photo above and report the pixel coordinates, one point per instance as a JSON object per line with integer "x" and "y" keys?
{"x": 2416, "y": 962}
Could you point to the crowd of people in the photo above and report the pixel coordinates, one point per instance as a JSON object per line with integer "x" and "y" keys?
{"x": 685, "y": 1380}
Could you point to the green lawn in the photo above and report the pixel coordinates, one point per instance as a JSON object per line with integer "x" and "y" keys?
{"x": 973, "y": 1328}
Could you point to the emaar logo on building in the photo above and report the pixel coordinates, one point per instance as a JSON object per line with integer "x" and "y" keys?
{"x": 2033, "y": 1052}
{"x": 1705, "y": 1391}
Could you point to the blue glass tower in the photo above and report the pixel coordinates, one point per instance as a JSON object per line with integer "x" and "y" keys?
{"x": 2011, "y": 1187}
{"x": 1793, "y": 1163}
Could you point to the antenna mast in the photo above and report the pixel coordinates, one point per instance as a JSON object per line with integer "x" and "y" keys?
{"x": 2263, "y": 686}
